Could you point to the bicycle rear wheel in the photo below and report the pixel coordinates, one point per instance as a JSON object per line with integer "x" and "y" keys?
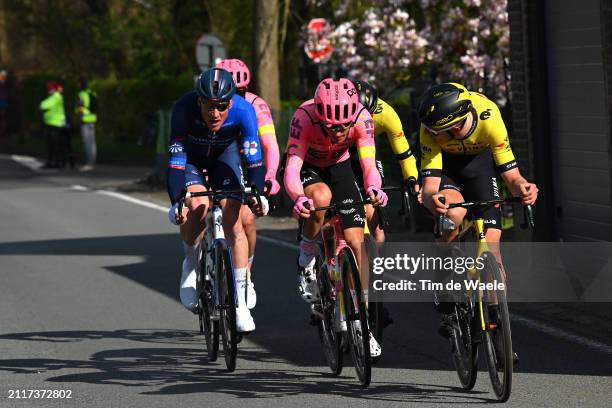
{"x": 227, "y": 303}
{"x": 497, "y": 337}
{"x": 356, "y": 317}
{"x": 326, "y": 306}
{"x": 465, "y": 350}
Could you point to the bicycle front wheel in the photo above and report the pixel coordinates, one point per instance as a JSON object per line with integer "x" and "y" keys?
{"x": 356, "y": 316}
{"x": 497, "y": 337}
{"x": 326, "y": 307}
{"x": 465, "y": 349}
{"x": 208, "y": 326}
{"x": 227, "y": 303}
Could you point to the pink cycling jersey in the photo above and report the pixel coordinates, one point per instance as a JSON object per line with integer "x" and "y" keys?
{"x": 267, "y": 134}
{"x": 308, "y": 143}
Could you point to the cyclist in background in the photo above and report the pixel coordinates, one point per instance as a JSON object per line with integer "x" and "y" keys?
{"x": 318, "y": 171}
{"x": 386, "y": 122}
{"x": 462, "y": 135}
{"x": 267, "y": 138}
{"x": 205, "y": 125}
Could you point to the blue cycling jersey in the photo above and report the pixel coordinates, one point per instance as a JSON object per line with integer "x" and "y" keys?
{"x": 191, "y": 142}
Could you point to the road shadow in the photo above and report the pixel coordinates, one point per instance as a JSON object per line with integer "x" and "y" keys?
{"x": 176, "y": 364}
{"x": 282, "y": 318}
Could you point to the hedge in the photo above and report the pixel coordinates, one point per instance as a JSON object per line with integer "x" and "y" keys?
{"x": 123, "y": 105}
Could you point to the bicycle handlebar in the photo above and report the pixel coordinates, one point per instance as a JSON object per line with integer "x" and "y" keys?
{"x": 443, "y": 225}
{"x": 250, "y": 191}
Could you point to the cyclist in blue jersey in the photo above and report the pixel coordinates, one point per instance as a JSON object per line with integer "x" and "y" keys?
{"x": 206, "y": 125}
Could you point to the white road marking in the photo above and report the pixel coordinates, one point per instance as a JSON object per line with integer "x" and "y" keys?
{"x": 28, "y": 161}
{"x": 130, "y": 199}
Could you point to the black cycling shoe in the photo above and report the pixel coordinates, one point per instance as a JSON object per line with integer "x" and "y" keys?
{"x": 515, "y": 359}
{"x": 387, "y": 319}
{"x": 446, "y": 327}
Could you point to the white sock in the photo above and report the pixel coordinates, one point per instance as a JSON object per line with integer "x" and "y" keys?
{"x": 307, "y": 252}
{"x": 240, "y": 277}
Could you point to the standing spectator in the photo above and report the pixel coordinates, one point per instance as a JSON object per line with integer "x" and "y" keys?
{"x": 4, "y": 103}
{"x": 54, "y": 119}
{"x": 65, "y": 137}
{"x": 87, "y": 108}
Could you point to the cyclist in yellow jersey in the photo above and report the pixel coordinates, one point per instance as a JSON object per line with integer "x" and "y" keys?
{"x": 386, "y": 122}
{"x": 459, "y": 131}
{"x": 464, "y": 146}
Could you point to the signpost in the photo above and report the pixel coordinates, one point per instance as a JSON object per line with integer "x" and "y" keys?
{"x": 208, "y": 51}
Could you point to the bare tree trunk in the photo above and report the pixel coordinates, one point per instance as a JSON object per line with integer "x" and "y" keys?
{"x": 266, "y": 51}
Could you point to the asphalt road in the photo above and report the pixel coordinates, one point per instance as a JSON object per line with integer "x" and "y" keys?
{"x": 89, "y": 304}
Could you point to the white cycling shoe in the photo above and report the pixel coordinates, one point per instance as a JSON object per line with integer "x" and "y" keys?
{"x": 307, "y": 283}
{"x": 244, "y": 320}
{"x": 188, "y": 294}
{"x": 375, "y": 349}
{"x": 251, "y": 296}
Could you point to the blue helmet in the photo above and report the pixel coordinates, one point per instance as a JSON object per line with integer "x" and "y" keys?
{"x": 216, "y": 84}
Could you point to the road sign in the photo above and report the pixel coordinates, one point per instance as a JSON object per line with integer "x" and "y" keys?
{"x": 208, "y": 51}
{"x": 317, "y": 46}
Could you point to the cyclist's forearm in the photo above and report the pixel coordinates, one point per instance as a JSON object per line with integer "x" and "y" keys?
{"x": 513, "y": 180}
{"x": 175, "y": 181}
{"x": 292, "y": 181}
{"x": 271, "y": 154}
{"x": 431, "y": 185}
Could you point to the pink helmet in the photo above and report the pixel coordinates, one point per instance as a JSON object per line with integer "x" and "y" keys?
{"x": 336, "y": 102}
{"x": 239, "y": 71}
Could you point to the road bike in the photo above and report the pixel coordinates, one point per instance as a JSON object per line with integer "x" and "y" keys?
{"x": 341, "y": 311}
{"x": 471, "y": 319}
{"x": 215, "y": 284}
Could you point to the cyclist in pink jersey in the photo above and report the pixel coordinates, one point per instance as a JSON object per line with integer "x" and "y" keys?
{"x": 318, "y": 171}
{"x": 267, "y": 137}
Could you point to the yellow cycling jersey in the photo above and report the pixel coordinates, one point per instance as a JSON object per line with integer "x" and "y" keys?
{"x": 488, "y": 131}
{"x": 386, "y": 121}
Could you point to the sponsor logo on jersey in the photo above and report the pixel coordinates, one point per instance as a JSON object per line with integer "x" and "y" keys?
{"x": 485, "y": 114}
{"x": 176, "y": 148}
{"x": 250, "y": 148}
{"x": 177, "y": 163}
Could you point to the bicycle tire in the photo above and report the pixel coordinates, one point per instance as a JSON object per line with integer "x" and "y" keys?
{"x": 465, "y": 349}
{"x": 329, "y": 338}
{"x": 227, "y": 303}
{"x": 502, "y": 384}
{"x": 375, "y": 309}
{"x": 356, "y": 317}
{"x": 208, "y": 326}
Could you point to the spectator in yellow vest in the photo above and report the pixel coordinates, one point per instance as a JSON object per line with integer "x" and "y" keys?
{"x": 87, "y": 111}
{"x": 54, "y": 119}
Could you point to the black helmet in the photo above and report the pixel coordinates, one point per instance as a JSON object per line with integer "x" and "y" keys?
{"x": 368, "y": 95}
{"x": 215, "y": 84}
{"x": 444, "y": 105}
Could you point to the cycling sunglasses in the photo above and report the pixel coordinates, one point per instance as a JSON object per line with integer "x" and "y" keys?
{"x": 437, "y": 132}
{"x": 211, "y": 106}
{"x": 335, "y": 128}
